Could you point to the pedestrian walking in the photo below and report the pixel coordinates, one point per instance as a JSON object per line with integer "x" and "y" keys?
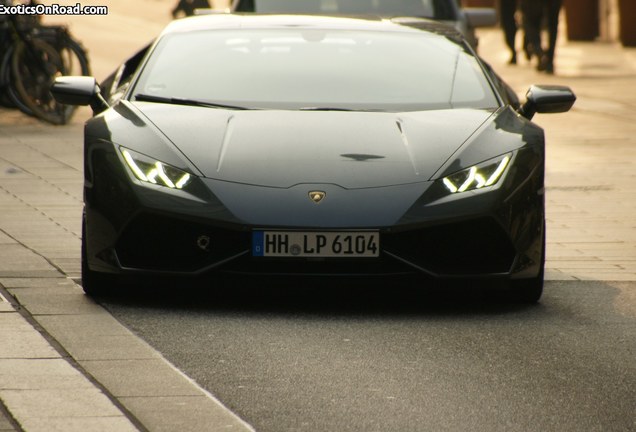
{"x": 536, "y": 14}
{"x": 508, "y": 20}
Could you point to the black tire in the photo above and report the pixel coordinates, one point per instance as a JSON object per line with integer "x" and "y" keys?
{"x": 94, "y": 283}
{"x": 529, "y": 291}
{"x": 34, "y": 67}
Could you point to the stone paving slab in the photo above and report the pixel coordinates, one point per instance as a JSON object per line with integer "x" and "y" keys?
{"x": 40, "y": 374}
{"x": 5, "y": 239}
{"x": 61, "y": 300}
{"x": 14, "y": 257}
{"x": 19, "y": 340}
{"x": 78, "y": 424}
{"x": 57, "y": 281}
{"x": 42, "y": 390}
{"x": 163, "y": 414}
{"x": 51, "y": 403}
{"x": 5, "y": 307}
{"x": 129, "y": 378}
{"x": 78, "y": 410}
{"x": 96, "y": 337}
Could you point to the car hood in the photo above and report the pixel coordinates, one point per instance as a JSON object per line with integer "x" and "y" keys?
{"x": 278, "y": 148}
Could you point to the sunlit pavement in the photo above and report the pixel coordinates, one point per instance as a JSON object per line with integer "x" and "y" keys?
{"x": 591, "y": 184}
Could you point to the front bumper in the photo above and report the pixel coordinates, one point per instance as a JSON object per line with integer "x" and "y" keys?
{"x": 131, "y": 228}
{"x": 160, "y": 243}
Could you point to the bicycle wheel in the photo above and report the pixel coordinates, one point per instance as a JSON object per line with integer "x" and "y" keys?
{"x": 5, "y": 74}
{"x": 74, "y": 57}
{"x": 34, "y": 66}
{"x": 10, "y": 97}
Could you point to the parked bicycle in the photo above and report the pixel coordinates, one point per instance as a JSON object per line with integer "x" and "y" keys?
{"x": 33, "y": 56}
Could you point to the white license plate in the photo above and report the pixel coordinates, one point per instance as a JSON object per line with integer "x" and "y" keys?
{"x": 316, "y": 244}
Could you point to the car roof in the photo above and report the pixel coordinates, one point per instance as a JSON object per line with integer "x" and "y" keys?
{"x": 256, "y": 21}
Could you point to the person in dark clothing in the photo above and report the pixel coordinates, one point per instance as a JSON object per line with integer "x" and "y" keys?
{"x": 535, "y": 14}
{"x": 187, "y": 7}
{"x": 507, "y": 11}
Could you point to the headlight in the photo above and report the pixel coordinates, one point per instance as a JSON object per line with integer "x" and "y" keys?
{"x": 154, "y": 171}
{"x": 478, "y": 176}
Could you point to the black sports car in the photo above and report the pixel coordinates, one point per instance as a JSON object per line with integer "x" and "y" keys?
{"x": 297, "y": 145}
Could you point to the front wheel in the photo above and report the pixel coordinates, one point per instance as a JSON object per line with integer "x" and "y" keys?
{"x": 530, "y": 290}
{"x": 94, "y": 283}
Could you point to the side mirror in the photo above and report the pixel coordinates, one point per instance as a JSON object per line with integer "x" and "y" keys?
{"x": 480, "y": 17}
{"x": 547, "y": 99}
{"x": 79, "y": 90}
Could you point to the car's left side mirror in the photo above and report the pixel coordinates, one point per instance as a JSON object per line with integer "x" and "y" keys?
{"x": 547, "y": 99}
{"x": 79, "y": 90}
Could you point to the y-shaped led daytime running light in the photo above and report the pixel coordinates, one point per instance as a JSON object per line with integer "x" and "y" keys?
{"x": 156, "y": 172}
{"x": 476, "y": 178}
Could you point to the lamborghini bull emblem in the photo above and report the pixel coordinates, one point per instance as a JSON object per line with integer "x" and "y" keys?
{"x": 317, "y": 196}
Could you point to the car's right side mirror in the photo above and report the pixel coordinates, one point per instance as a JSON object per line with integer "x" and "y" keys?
{"x": 547, "y": 99}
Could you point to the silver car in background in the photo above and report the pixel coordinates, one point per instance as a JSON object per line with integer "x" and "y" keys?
{"x": 465, "y": 20}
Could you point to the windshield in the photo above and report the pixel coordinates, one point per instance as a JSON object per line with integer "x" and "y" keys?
{"x": 437, "y": 9}
{"x": 299, "y": 68}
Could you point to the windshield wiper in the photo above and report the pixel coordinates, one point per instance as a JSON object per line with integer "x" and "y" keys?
{"x": 181, "y": 101}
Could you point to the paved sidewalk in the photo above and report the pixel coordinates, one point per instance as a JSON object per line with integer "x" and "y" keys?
{"x": 67, "y": 365}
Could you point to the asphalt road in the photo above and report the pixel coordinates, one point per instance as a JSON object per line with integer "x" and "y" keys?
{"x": 354, "y": 358}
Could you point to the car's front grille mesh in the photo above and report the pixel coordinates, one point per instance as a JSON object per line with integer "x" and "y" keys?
{"x": 477, "y": 246}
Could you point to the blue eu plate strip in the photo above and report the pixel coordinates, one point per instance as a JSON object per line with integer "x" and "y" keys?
{"x": 258, "y": 243}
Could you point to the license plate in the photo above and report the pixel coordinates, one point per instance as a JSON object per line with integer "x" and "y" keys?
{"x": 316, "y": 244}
